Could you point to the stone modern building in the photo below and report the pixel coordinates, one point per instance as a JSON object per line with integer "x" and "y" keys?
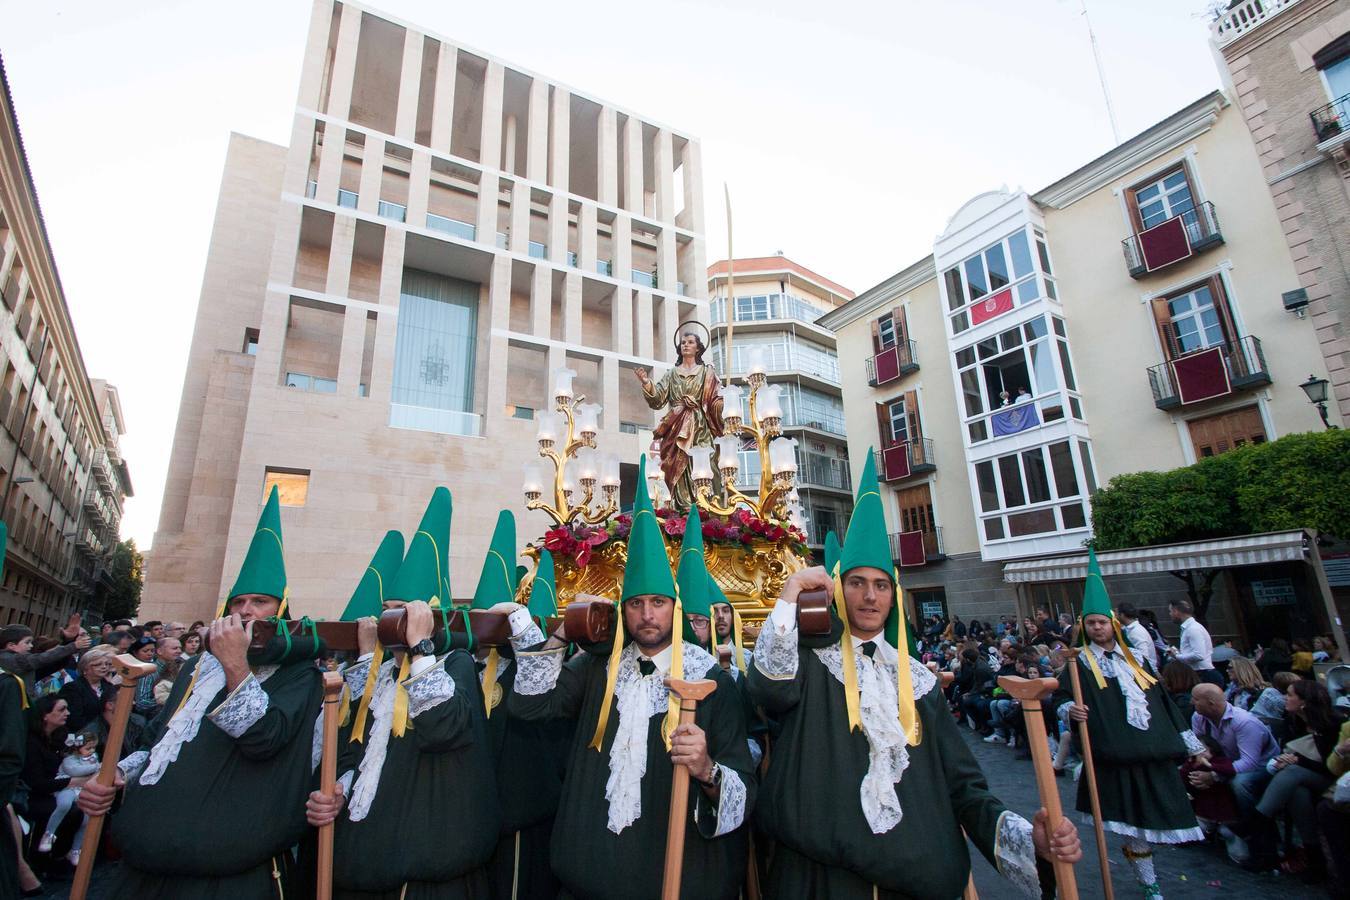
{"x": 777, "y": 303}
{"x": 1286, "y": 63}
{"x": 385, "y": 298}
{"x": 1127, "y": 316}
{"x": 62, "y": 478}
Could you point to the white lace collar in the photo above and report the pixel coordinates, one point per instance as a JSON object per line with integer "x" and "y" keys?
{"x": 1114, "y": 665}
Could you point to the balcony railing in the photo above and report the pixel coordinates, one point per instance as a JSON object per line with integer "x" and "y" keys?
{"x": 765, "y": 307}
{"x": 679, "y": 288}
{"x": 787, "y": 358}
{"x": 347, "y": 198}
{"x": 538, "y": 250}
{"x": 1178, "y": 238}
{"x": 605, "y": 267}
{"x": 1332, "y": 120}
{"x": 814, "y": 469}
{"x": 1245, "y": 15}
{"x": 572, "y": 258}
{"x": 389, "y": 210}
{"x": 1194, "y": 377}
{"x": 903, "y": 551}
{"x": 311, "y": 189}
{"x": 646, "y": 279}
{"x": 892, "y": 363}
{"x": 906, "y": 459}
{"x": 448, "y": 225}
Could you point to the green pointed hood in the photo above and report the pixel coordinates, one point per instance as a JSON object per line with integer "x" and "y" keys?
{"x": 1095, "y": 599}
{"x": 715, "y": 593}
{"x": 497, "y": 582}
{"x": 425, "y": 572}
{"x": 264, "y": 568}
{"x": 831, "y": 551}
{"x": 368, "y": 598}
{"x": 691, "y": 576}
{"x": 647, "y": 570}
{"x": 544, "y": 591}
{"x": 866, "y": 542}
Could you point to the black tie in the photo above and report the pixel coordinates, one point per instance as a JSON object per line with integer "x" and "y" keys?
{"x": 646, "y": 666}
{"x": 869, "y": 648}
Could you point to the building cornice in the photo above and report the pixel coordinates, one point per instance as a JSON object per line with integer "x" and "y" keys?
{"x": 1171, "y": 132}
{"x": 875, "y": 298}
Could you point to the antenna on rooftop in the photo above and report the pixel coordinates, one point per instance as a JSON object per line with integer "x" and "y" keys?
{"x": 1101, "y": 73}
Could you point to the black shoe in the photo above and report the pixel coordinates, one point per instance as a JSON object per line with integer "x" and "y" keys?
{"x": 33, "y": 892}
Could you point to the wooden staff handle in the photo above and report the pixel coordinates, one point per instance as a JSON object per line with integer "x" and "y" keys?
{"x": 132, "y": 670}
{"x": 332, "y": 694}
{"x": 1029, "y": 692}
{"x": 690, "y": 693}
{"x": 1090, "y": 773}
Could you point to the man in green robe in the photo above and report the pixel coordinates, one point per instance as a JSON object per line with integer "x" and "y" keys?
{"x": 611, "y": 824}
{"x": 871, "y": 784}
{"x": 413, "y": 819}
{"x": 235, "y": 736}
{"x": 13, "y": 734}
{"x": 1138, "y": 739}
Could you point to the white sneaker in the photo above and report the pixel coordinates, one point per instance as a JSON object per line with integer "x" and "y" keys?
{"x": 73, "y": 857}
{"x": 971, "y": 723}
{"x": 995, "y": 738}
{"x": 45, "y": 844}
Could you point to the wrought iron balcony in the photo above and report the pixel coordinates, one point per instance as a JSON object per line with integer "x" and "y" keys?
{"x": 1178, "y": 238}
{"x": 905, "y": 546}
{"x": 1332, "y": 120}
{"x": 892, "y": 363}
{"x": 906, "y": 459}
{"x": 1210, "y": 373}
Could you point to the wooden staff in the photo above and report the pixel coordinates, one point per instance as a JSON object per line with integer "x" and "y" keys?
{"x": 1090, "y": 773}
{"x": 1029, "y": 692}
{"x": 690, "y": 693}
{"x": 332, "y": 693}
{"x": 132, "y": 670}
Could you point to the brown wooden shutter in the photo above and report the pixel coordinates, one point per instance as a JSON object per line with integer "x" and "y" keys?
{"x": 876, "y": 337}
{"x": 912, "y": 416}
{"x": 1162, "y": 317}
{"x": 901, "y": 324}
{"x": 884, "y": 426}
{"x": 1225, "y": 312}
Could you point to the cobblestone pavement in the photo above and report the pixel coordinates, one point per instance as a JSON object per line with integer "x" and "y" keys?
{"x": 1188, "y": 871}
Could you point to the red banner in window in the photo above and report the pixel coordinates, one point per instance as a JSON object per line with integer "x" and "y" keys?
{"x": 1164, "y": 243}
{"x": 1201, "y": 376}
{"x": 887, "y": 365}
{"x": 895, "y": 462}
{"x": 992, "y": 307}
{"x": 912, "y": 552}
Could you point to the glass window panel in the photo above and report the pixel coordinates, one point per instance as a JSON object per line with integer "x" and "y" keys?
{"x": 325, "y": 386}
{"x": 1010, "y": 338}
{"x": 975, "y": 278}
{"x": 984, "y": 476}
{"x": 1050, "y": 289}
{"x": 965, "y": 357}
{"x": 993, "y": 529}
{"x": 1076, "y": 408}
{"x": 970, "y": 389}
{"x": 899, "y": 427}
{"x": 987, "y": 348}
{"x": 979, "y": 431}
{"x": 292, "y": 485}
{"x": 1035, "y": 328}
{"x": 1073, "y": 516}
{"x": 1011, "y": 475}
{"x": 1052, "y": 408}
{"x": 1027, "y": 292}
{"x": 960, "y": 322}
{"x": 1038, "y": 481}
{"x": 434, "y": 347}
{"x": 296, "y": 380}
{"x": 1061, "y": 462}
{"x": 1085, "y": 451}
{"x": 1042, "y": 368}
{"x": 997, "y": 267}
{"x": 1043, "y": 252}
{"x": 1021, "y": 254}
{"x": 1059, "y": 326}
{"x": 956, "y": 296}
{"x": 1069, "y": 381}
{"x": 1037, "y": 521}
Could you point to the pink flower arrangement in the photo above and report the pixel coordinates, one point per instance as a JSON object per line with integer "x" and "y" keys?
{"x": 578, "y": 542}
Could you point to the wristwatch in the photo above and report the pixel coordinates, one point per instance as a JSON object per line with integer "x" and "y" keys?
{"x": 424, "y": 647}
{"x": 716, "y": 781}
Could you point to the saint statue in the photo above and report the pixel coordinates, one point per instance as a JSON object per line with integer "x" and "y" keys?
{"x": 690, "y": 391}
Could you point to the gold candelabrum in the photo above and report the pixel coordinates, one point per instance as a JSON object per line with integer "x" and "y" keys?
{"x": 568, "y": 436}
{"x": 777, "y": 455}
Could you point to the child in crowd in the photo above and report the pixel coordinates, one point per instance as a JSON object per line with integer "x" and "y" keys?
{"x": 80, "y": 764}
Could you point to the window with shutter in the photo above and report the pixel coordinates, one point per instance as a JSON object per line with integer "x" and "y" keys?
{"x": 1225, "y": 431}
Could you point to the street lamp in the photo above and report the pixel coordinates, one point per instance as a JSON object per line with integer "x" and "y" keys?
{"x": 1316, "y": 389}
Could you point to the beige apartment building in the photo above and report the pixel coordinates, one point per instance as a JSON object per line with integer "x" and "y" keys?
{"x": 773, "y": 321}
{"x": 385, "y": 298}
{"x": 1286, "y": 63}
{"x": 1128, "y": 316}
{"x": 62, "y": 478}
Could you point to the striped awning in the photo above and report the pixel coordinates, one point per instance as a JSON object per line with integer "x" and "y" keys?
{"x": 1245, "y": 550}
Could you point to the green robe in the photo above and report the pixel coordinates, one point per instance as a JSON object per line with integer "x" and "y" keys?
{"x": 810, "y": 801}
{"x": 433, "y": 822}
{"x": 247, "y": 795}
{"x": 13, "y": 737}
{"x": 590, "y": 859}
{"x": 1138, "y": 782}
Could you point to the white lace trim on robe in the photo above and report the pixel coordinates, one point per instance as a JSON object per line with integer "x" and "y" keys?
{"x": 731, "y": 799}
{"x": 1136, "y": 703}
{"x": 536, "y": 673}
{"x": 377, "y": 743}
{"x": 775, "y": 654}
{"x": 1015, "y": 853}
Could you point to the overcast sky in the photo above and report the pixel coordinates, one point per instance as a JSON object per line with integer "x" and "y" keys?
{"x": 848, "y": 131}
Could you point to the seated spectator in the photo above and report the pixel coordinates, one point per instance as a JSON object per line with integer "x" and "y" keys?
{"x": 79, "y": 764}
{"x": 975, "y": 700}
{"x": 1302, "y": 662}
{"x": 1246, "y": 686}
{"x": 1242, "y": 740}
{"x": 41, "y": 773}
{"x": 1179, "y": 679}
{"x": 1275, "y": 658}
{"x": 1333, "y": 818}
{"x": 1324, "y": 649}
{"x": 1300, "y": 775}
{"x": 84, "y": 696}
{"x": 18, "y": 658}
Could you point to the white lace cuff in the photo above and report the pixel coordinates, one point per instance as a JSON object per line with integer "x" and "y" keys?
{"x": 346, "y": 780}
{"x": 537, "y": 673}
{"x": 429, "y": 689}
{"x": 731, "y": 799}
{"x": 775, "y": 653}
{"x": 525, "y": 637}
{"x": 1015, "y": 853}
{"x": 239, "y": 711}
{"x": 756, "y": 754}
{"x": 134, "y": 764}
{"x": 1193, "y": 744}
{"x": 356, "y": 675}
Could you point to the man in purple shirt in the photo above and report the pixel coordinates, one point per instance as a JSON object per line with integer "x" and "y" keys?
{"x": 1245, "y": 740}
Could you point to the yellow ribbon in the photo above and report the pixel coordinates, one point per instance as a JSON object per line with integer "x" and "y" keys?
{"x": 904, "y": 681}
{"x": 1141, "y": 678}
{"x": 672, "y": 719}
{"x": 363, "y": 708}
{"x": 23, "y": 690}
{"x": 736, "y": 639}
{"x": 598, "y": 739}
{"x": 345, "y": 707}
{"x": 904, "y": 687}
{"x": 851, "y": 702}
{"x": 489, "y": 680}
{"x": 401, "y": 698}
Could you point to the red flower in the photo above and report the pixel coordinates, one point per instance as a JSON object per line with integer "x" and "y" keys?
{"x": 584, "y": 556}
{"x": 747, "y": 538}
{"x": 674, "y": 527}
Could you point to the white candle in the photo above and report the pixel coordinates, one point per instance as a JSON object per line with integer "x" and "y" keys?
{"x": 588, "y": 466}
{"x": 757, "y": 361}
{"x": 731, "y": 401}
{"x": 782, "y": 455}
{"x": 534, "y": 479}
{"x": 562, "y": 382}
{"x": 549, "y": 425}
{"x": 702, "y": 457}
{"x": 729, "y": 452}
{"x": 610, "y": 468}
{"x": 768, "y": 404}
{"x": 588, "y": 419}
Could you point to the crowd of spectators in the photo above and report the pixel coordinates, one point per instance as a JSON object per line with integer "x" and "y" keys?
{"x": 1271, "y": 790}
{"x": 71, "y": 685}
